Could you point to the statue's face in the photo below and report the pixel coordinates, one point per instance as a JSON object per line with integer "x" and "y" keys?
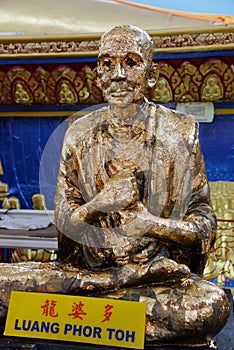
{"x": 123, "y": 67}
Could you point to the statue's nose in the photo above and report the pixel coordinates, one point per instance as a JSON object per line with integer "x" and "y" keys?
{"x": 119, "y": 72}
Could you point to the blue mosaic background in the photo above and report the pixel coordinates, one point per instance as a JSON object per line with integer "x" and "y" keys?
{"x": 23, "y": 139}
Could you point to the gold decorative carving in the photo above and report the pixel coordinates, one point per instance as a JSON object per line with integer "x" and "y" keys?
{"x": 42, "y": 76}
{"x": 1, "y": 168}
{"x": 220, "y": 264}
{"x": 3, "y": 190}
{"x": 19, "y": 86}
{"x": 47, "y": 48}
{"x": 21, "y": 95}
{"x": 212, "y": 89}
{"x": 3, "y": 186}
{"x": 38, "y": 201}
{"x": 212, "y": 80}
{"x": 183, "y": 41}
{"x": 208, "y": 38}
{"x": 11, "y": 203}
{"x": 66, "y": 93}
{"x": 162, "y": 91}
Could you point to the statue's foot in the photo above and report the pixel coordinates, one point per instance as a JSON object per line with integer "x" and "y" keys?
{"x": 157, "y": 272}
{"x": 167, "y": 270}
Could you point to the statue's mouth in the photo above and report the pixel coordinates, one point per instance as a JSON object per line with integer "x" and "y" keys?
{"x": 121, "y": 92}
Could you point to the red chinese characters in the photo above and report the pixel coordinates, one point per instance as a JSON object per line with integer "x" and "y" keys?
{"x": 107, "y": 313}
{"x": 77, "y": 311}
{"x": 49, "y": 308}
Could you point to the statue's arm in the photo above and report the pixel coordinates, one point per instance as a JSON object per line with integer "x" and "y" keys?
{"x": 68, "y": 194}
{"x": 72, "y": 208}
{"x": 198, "y": 226}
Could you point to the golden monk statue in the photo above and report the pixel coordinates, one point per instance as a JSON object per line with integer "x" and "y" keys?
{"x": 133, "y": 205}
{"x": 66, "y": 95}
{"x": 21, "y": 95}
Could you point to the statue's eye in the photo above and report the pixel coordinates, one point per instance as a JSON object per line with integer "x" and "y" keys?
{"x": 130, "y": 62}
{"x": 107, "y": 63}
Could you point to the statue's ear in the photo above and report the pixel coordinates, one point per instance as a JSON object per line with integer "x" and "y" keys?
{"x": 153, "y": 75}
{"x": 98, "y": 82}
{"x": 97, "y": 79}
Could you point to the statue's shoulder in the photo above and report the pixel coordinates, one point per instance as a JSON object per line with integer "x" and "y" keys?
{"x": 82, "y": 126}
{"x": 184, "y": 124}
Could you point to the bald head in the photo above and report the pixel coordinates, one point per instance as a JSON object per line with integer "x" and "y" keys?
{"x": 131, "y": 38}
{"x": 125, "y": 67}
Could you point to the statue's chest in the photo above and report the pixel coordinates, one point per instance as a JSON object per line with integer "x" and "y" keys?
{"x": 125, "y": 151}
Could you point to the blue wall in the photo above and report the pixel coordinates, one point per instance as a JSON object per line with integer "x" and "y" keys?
{"x": 23, "y": 139}
{"x": 217, "y": 142}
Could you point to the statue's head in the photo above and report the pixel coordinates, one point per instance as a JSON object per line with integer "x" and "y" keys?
{"x": 125, "y": 67}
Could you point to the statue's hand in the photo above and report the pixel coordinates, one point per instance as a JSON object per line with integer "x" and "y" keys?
{"x": 136, "y": 220}
{"x": 118, "y": 193}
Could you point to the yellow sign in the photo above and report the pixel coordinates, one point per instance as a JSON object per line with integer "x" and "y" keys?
{"x": 76, "y": 318}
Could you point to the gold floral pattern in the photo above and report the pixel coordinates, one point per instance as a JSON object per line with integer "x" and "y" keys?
{"x": 220, "y": 265}
{"x": 211, "y": 80}
{"x": 167, "y": 40}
